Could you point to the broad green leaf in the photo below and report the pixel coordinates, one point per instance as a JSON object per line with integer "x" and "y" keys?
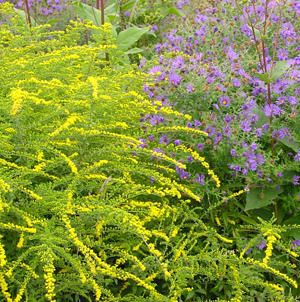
{"x": 258, "y": 198}
{"x": 88, "y": 12}
{"x": 129, "y": 36}
{"x": 279, "y": 69}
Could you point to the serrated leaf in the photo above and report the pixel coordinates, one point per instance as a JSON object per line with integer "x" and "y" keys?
{"x": 260, "y": 197}
{"x": 130, "y": 36}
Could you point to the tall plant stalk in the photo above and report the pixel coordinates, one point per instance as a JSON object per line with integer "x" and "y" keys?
{"x": 100, "y": 5}
{"x": 27, "y": 12}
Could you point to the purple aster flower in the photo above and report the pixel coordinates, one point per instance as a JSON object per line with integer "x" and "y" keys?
{"x": 151, "y": 138}
{"x": 281, "y": 133}
{"x": 236, "y": 82}
{"x": 190, "y": 88}
{"x": 224, "y": 100}
{"x": 296, "y": 180}
{"x": 175, "y": 79}
{"x": 182, "y": 173}
{"x": 200, "y": 147}
{"x": 177, "y": 142}
{"x": 155, "y": 69}
{"x": 156, "y": 120}
{"x": 292, "y": 100}
{"x": 200, "y": 179}
{"x": 190, "y": 159}
{"x": 231, "y": 54}
{"x": 262, "y": 245}
{"x": 164, "y": 140}
{"x": 282, "y": 54}
{"x": 297, "y": 156}
{"x": 197, "y": 123}
{"x": 233, "y": 153}
{"x": 295, "y": 243}
{"x": 272, "y": 110}
{"x": 246, "y": 126}
{"x": 210, "y": 130}
{"x": 143, "y": 143}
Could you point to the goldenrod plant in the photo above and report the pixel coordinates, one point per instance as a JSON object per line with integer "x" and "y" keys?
{"x": 88, "y": 210}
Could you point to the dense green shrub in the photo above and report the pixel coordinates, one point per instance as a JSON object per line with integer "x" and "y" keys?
{"x": 90, "y": 210}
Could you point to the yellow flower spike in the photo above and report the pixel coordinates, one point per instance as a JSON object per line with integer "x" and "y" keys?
{"x": 20, "y": 243}
{"x": 70, "y": 163}
{"x": 273, "y": 271}
{"x": 271, "y": 239}
{"x": 17, "y": 96}
{"x": 71, "y": 120}
{"x": 18, "y": 228}
{"x": 5, "y": 187}
{"x": 4, "y": 288}
{"x": 203, "y": 162}
{"x": 182, "y": 129}
{"x": 31, "y": 194}
{"x": 2, "y": 255}
{"x": 224, "y": 239}
{"x": 97, "y": 290}
{"x": 49, "y": 270}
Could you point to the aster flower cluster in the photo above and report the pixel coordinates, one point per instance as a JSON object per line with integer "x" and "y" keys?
{"x": 236, "y": 70}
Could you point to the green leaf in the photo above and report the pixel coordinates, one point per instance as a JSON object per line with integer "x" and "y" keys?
{"x": 265, "y": 77}
{"x": 278, "y": 70}
{"x": 129, "y": 36}
{"x": 134, "y": 51}
{"x": 88, "y": 12}
{"x": 22, "y": 16}
{"x": 171, "y": 11}
{"x": 291, "y": 143}
{"x": 260, "y": 197}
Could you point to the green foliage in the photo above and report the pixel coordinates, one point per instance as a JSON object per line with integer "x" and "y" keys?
{"x": 87, "y": 212}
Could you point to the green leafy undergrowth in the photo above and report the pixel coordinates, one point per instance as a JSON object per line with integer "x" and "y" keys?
{"x": 90, "y": 213}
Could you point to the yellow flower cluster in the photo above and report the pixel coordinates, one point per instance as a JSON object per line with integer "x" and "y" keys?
{"x": 18, "y": 228}
{"x": 94, "y": 83}
{"x": 49, "y": 270}
{"x": 2, "y": 255}
{"x": 72, "y": 119}
{"x": 5, "y": 187}
{"x": 97, "y": 289}
{"x": 273, "y": 271}
{"x": 182, "y": 129}
{"x": 273, "y": 286}
{"x": 31, "y": 193}
{"x": 20, "y": 243}
{"x": 4, "y": 288}
{"x": 203, "y": 162}
{"x": 269, "y": 249}
{"x": 235, "y": 194}
{"x": 224, "y": 239}
{"x": 17, "y": 96}
{"x": 69, "y": 162}
{"x": 169, "y": 159}
{"x": 21, "y": 291}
